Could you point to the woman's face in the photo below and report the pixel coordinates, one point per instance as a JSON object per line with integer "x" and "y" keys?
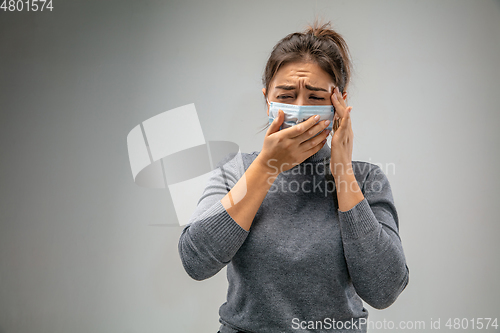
{"x": 300, "y": 83}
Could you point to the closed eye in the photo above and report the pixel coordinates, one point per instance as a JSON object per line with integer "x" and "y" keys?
{"x": 311, "y": 97}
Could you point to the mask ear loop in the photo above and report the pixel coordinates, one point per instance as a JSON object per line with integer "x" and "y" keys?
{"x": 336, "y": 121}
{"x": 336, "y": 124}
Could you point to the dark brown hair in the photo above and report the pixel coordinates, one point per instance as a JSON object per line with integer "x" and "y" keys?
{"x": 320, "y": 44}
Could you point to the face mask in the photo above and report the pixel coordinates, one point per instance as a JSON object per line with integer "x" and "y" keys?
{"x": 295, "y": 114}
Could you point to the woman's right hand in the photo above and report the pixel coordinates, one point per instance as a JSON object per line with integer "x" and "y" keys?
{"x": 282, "y": 150}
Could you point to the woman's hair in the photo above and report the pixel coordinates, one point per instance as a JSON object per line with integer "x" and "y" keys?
{"x": 319, "y": 44}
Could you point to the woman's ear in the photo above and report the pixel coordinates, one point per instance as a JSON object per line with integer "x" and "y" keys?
{"x": 344, "y": 96}
{"x": 264, "y": 92}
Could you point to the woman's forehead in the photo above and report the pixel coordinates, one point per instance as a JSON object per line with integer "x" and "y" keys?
{"x": 297, "y": 73}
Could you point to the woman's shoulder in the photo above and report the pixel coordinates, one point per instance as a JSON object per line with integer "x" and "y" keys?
{"x": 364, "y": 170}
{"x": 364, "y": 167}
{"x": 239, "y": 158}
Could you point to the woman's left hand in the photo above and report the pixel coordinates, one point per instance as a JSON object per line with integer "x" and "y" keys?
{"x": 341, "y": 155}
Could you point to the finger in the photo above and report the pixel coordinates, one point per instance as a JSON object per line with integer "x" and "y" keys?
{"x": 350, "y": 119}
{"x": 315, "y": 141}
{"x": 314, "y": 131}
{"x": 350, "y": 123}
{"x": 275, "y": 125}
{"x": 304, "y": 126}
{"x": 339, "y": 96}
{"x": 339, "y": 108}
{"x": 315, "y": 148}
{"x": 345, "y": 124}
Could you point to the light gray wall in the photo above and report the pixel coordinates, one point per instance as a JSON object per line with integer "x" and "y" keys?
{"x": 79, "y": 251}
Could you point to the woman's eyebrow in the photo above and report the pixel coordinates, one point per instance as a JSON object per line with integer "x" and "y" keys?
{"x": 285, "y": 87}
{"x": 315, "y": 88}
{"x": 309, "y": 87}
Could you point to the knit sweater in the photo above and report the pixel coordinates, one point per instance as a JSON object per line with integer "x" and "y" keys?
{"x": 304, "y": 265}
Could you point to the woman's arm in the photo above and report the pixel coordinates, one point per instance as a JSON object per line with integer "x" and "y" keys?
{"x": 368, "y": 220}
{"x": 348, "y": 192}
{"x": 245, "y": 198}
{"x": 211, "y": 237}
{"x": 372, "y": 246}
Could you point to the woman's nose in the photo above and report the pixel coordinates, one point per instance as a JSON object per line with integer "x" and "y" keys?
{"x": 300, "y": 101}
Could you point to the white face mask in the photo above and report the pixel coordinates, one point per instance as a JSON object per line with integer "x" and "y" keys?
{"x": 295, "y": 114}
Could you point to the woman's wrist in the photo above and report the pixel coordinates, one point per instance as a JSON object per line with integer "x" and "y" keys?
{"x": 246, "y": 196}
{"x": 340, "y": 170}
{"x": 346, "y": 183}
{"x": 348, "y": 191}
{"x": 266, "y": 166}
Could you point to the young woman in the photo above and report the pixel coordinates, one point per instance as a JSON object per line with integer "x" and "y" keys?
{"x": 306, "y": 233}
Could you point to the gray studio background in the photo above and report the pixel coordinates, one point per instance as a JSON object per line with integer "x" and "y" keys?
{"x": 84, "y": 249}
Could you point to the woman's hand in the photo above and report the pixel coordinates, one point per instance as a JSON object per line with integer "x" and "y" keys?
{"x": 341, "y": 158}
{"x": 282, "y": 150}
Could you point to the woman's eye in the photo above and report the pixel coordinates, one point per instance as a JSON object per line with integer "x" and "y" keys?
{"x": 284, "y": 96}
{"x": 314, "y": 97}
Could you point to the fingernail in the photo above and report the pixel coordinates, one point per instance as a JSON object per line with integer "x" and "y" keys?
{"x": 327, "y": 122}
{"x": 316, "y": 117}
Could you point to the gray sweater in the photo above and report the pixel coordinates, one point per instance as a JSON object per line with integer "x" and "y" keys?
{"x": 304, "y": 266}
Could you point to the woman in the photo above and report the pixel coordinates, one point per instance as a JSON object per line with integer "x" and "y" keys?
{"x": 307, "y": 234}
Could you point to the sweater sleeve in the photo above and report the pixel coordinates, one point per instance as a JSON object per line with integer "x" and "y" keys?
{"x": 372, "y": 246}
{"x": 211, "y": 237}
